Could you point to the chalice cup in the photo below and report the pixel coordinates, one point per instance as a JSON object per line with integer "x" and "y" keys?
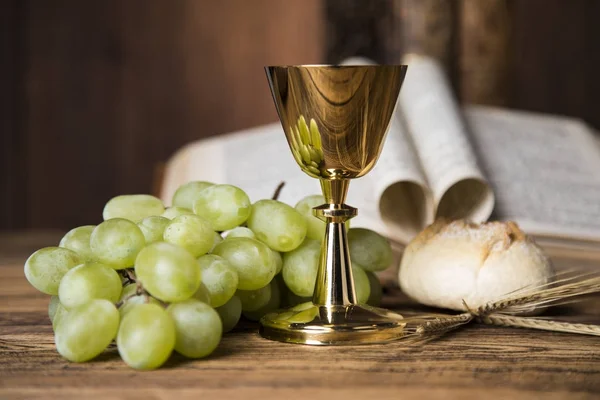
{"x": 335, "y": 120}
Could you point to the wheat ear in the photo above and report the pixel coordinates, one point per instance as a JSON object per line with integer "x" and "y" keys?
{"x": 427, "y": 327}
{"x": 543, "y": 295}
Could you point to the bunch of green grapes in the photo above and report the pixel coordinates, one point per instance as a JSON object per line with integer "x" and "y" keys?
{"x": 157, "y": 280}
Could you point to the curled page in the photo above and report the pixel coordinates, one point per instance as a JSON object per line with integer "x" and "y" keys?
{"x": 396, "y": 188}
{"x": 439, "y": 134}
{"x": 405, "y": 202}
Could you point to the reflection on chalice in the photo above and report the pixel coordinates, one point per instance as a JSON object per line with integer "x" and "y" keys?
{"x": 349, "y": 110}
{"x": 306, "y": 146}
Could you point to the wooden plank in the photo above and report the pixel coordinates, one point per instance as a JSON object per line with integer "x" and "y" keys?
{"x": 12, "y": 149}
{"x": 474, "y": 362}
{"x": 484, "y": 51}
{"x": 73, "y": 102}
{"x": 430, "y": 27}
{"x": 114, "y": 88}
{"x": 550, "y": 57}
{"x": 363, "y": 28}
{"x": 350, "y": 392}
{"x": 592, "y": 64}
{"x": 195, "y": 69}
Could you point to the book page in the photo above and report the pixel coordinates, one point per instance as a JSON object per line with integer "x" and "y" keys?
{"x": 440, "y": 137}
{"x": 395, "y": 192}
{"x": 257, "y": 160}
{"x": 545, "y": 170}
{"x": 404, "y": 199}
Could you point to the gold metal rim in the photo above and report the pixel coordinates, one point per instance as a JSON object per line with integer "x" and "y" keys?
{"x": 325, "y": 326}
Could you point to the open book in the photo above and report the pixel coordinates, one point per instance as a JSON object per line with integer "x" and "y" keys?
{"x": 438, "y": 160}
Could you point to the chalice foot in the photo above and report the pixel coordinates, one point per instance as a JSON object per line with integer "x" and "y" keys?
{"x": 332, "y": 325}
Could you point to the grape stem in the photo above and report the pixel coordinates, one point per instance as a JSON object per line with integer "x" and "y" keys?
{"x": 278, "y": 191}
{"x": 139, "y": 291}
{"x": 120, "y": 303}
{"x": 131, "y": 275}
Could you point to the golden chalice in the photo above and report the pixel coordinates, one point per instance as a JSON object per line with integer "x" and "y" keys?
{"x": 335, "y": 119}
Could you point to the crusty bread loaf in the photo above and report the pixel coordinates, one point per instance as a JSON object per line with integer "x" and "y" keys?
{"x": 449, "y": 262}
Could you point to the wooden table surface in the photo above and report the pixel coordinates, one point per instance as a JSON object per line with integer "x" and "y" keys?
{"x": 476, "y": 362}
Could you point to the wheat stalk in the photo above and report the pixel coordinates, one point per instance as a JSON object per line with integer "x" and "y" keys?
{"x": 535, "y": 323}
{"x": 562, "y": 290}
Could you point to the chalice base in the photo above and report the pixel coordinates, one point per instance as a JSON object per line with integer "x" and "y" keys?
{"x": 332, "y": 325}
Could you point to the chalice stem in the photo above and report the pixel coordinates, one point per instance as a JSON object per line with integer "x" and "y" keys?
{"x": 335, "y": 119}
{"x": 334, "y": 285}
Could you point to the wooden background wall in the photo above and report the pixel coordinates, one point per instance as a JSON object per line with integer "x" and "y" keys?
{"x": 96, "y": 93}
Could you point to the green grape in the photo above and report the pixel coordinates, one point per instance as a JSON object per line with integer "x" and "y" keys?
{"x": 59, "y": 315}
{"x": 300, "y": 268}
{"x": 362, "y": 286}
{"x": 216, "y": 240}
{"x": 78, "y": 240}
{"x": 130, "y": 299}
{"x": 225, "y": 206}
{"x": 198, "y": 328}
{"x": 167, "y": 272}
{"x": 219, "y": 278}
{"x": 128, "y": 291}
{"x": 251, "y": 259}
{"x": 134, "y": 207}
{"x": 202, "y": 294}
{"x": 299, "y": 314}
{"x": 315, "y": 227}
{"x": 153, "y": 228}
{"x": 87, "y": 330}
{"x": 186, "y": 195}
{"x": 278, "y": 225}
{"x": 131, "y": 303}
{"x": 146, "y": 337}
{"x": 173, "y": 212}
{"x": 376, "y": 290}
{"x": 291, "y": 299}
{"x": 89, "y": 281}
{"x": 53, "y": 306}
{"x": 191, "y": 232}
{"x": 253, "y": 300}
{"x": 117, "y": 242}
{"x": 278, "y": 260}
{"x": 45, "y": 268}
{"x": 304, "y": 313}
{"x": 230, "y": 313}
{"x": 369, "y": 249}
{"x": 273, "y": 304}
{"x": 240, "y": 231}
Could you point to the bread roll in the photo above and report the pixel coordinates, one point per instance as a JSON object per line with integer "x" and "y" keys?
{"x": 449, "y": 262}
